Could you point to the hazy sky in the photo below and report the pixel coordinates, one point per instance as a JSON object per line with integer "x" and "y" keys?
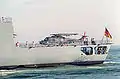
{"x": 34, "y": 19}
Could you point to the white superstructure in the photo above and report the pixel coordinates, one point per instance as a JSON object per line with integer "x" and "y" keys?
{"x": 47, "y": 54}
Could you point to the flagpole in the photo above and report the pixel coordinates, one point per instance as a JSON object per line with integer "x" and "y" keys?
{"x": 102, "y": 40}
{"x": 107, "y": 39}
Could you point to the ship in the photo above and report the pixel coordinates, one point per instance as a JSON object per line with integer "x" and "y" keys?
{"x": 56, "y": 50}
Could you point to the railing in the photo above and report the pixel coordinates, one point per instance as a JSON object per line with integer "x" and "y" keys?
{"x": 36, "y": 45}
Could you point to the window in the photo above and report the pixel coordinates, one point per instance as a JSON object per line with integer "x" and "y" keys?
{"x": 100, "y": 50}
{"x": 87, "y": 50}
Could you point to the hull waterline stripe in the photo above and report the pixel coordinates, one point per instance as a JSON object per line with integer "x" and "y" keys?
{"x": 82, "y": 63}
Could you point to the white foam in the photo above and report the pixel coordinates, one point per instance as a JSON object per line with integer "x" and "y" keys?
{"x": 94, "y": 67}
{"x": 7, "y": 72}
{"x": 111, "y": 62}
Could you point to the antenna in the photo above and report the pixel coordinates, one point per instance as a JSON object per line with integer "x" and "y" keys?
{"x": 106, "y": 25}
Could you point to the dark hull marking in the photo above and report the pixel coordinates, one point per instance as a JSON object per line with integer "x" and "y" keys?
{"x": 86, "y": 63}
{"x": 82, "y": 63}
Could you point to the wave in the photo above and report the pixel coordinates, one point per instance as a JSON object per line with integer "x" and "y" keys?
{"x": 111, "y": 62}
{"x": 7, "y": 72}
{"x": 68, "y": 68}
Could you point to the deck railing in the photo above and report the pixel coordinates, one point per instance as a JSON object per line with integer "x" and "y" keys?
{"x": 36, "y": 45}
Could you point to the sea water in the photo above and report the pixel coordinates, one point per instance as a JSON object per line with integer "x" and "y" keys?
{"x": 110, "y": 69}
